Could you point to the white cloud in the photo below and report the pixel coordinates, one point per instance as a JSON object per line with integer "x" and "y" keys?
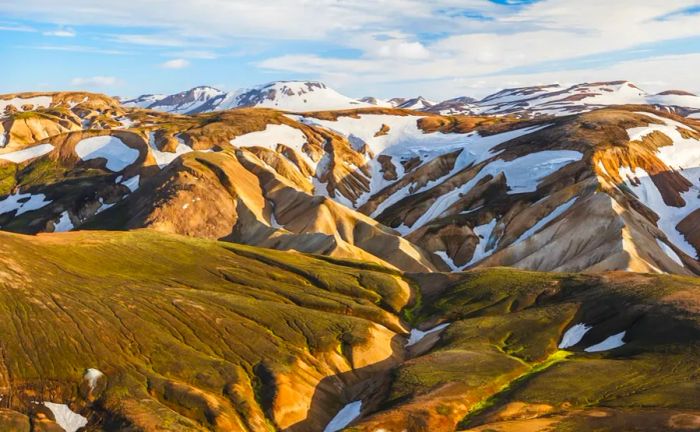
{"x": 61, "y": 32}
{"x": 16, "y": 28}
{"x": 384, "y": 43}
{"x": 95, "y": 81}
{"x": 176, "y": 64}
{"x": 77, "y": 48}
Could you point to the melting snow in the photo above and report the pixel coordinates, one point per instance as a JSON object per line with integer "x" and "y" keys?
{"x": 67, "y": 419}
{"x": 446, "y": 258}
{"x": 574, "y": 335}
{"x": 275, "y": 134}
{"x": 669, "y": 217}
{"x": 484, "y": 233}
{"x": 164, "y": 158}
{"x": 132, "y": 183}
{"x": 344, "y": 417}
{"x": 612, "y": 342}
{"x": 547, "y": 219}
{"x": 118, "y": 154}
{"x": 668, "y": 251}
{"x": 23, "y": 203}
{"x": 405, "y": 141}
{"x": 522, "y": 175}
{"x": 417, "y": 335}
{"x": 28, "y": 153}
{"x": 64, "y": 223}
{"x": 37, "y": 101}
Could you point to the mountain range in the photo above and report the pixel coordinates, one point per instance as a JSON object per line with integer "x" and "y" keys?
{"x": 305, "y": 96}
{"x": 290, "y": 258}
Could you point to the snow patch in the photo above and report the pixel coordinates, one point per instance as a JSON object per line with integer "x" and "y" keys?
{"x": 669, "y": 216}
{"x": 91, "y": 376}
{"x": 545, "y": 220}
{"x": 64, "y": 223}
{"x": 344, "y": 417}
{"x": 574, "y": 335}
{"x": 275, "y": 134}
{"x": 612, "y": 342}
{"x": 37, "y": 101}
{"x": 164, "y": 158}
{"x": 27, "y": 153}
{"x": 23, "y": 203}
{"x": 482, "y": 250}
{"x": 118, "y": 154}
{"x": 418, "y": 335}
{"x": 67, "y": 419}
{"x": 670, "y": 252}
{"x": 132, "y": 183}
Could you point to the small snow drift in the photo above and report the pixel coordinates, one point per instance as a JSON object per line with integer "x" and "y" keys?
{"x": 91, "y": 376}
{"x": 418, "y": 335}
{"x": 574, "y": 335}
{"x": 27, "y": 154}
{"x": 344, "y": 417}
{"x": 64, "y": 223}
{"x": 65, "y": 417}
{"x": 612, "y": 342}
{"x": 118, "y": 154}
{"x": 164, "y": 158}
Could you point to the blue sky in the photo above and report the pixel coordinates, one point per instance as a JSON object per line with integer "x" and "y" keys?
{"x": 385, "y": 48}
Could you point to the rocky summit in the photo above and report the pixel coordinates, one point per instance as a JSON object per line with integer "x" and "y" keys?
{"x": 289, "y": 258}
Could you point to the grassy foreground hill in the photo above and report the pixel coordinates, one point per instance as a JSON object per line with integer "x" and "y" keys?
{"x": 145, "y": 331}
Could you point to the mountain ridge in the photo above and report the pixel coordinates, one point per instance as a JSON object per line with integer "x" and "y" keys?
{"x": 552, "y": 99}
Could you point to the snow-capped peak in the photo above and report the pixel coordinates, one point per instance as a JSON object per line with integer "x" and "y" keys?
{"x": 297, "y": 96}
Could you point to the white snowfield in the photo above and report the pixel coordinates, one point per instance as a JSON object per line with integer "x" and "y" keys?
{"x": 164, "y": 158}
{"x": 522, "y": 175}
{"x": 28, "y": 153}
{"x": 37, "y": 101}
{"x": 344, "y": 417}
{"x": 557, "y": 100}
{"x": 300, "y": 97}
{"x": 66, "y": 418}
{"x": 418, "y": 335}
{"x": 683, "y": 157}
{"x": 574, "y": 335}
{"x": 611, "y": 342}
{"x": 274, "y": 134}
{"x": 405, "y": 140}
{"x": 111, "y": 148}
{"x": 23, "y": 203}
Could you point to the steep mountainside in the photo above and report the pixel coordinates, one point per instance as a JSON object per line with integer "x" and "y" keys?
{"x": 146, "y": 331}
{"x": 611, "y": 189}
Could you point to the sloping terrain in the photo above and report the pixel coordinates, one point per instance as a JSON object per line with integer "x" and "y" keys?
{"x": 611, "y": 189}
{"x": 147, "y": 331}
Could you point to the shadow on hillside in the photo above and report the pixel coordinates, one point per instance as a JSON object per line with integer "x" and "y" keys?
{"x": 369, "y": 384}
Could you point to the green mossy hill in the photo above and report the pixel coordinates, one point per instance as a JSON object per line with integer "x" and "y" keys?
{"x": 180, "y": 327}
{"x": 498, "y": 367}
